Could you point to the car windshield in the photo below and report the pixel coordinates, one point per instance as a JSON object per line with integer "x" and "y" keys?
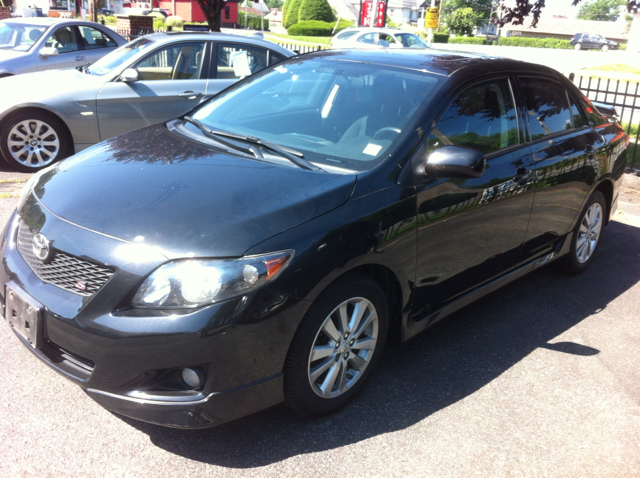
{"x": 409, "y": 40}
{"x": 337, "y": 114}
{"x": 113, "y": 60}
{"x": 19, "y": 36}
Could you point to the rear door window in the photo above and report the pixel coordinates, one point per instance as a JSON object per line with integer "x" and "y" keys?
{"x": 547, "y": 107}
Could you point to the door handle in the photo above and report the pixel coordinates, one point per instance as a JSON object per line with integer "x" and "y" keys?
{"x": 79, "y": 58}
{"x": 190, "y": 95}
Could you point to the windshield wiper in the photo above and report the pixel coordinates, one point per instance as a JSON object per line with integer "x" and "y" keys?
{"x": 295, "y": 157}
{"x": 210, "y": 134}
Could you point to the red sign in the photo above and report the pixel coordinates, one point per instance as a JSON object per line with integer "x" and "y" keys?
{"x": 367, "y": 11}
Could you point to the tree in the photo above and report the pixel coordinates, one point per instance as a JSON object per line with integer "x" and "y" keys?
{"x": 463, "y": 21}
{"x": 525, "y": 8}
{"x": 482, "y": 8}
{"x": 315, "y": 10}
{"x": 212, "y": 10}
{"x": 275, "y": 4}
{"x": 602, "y": 10}
{"x": 291, "y": 10}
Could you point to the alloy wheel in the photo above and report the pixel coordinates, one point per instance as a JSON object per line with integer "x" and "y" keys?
{"x": 33, "y": 143}
{"x": 589, "y": 233}
{"x": 343, "y": 347}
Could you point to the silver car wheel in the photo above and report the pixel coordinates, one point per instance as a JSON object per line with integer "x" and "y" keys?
{"x": 33, "y": 143}
{"x": 589, "y": 233}
{"x": 343, "y": 347}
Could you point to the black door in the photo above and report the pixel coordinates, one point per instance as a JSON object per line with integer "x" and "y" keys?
{"x": 563, "y": 150}
{"x": 472, "y": 230}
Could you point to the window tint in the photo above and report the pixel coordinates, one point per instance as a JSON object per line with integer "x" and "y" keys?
{"x": 483, "y": 117}
{"x": 64, "y": 39}
{"x": 237, "y": 61}
{"x": 94, "y": 38}
{"x": 275, "y": 58}
{"x": 176, "y": 62}
{"x": 578, "y": 121}
{"x": 547, "y": 105}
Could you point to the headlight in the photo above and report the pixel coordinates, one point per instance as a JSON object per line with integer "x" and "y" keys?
{"x": 193, "y": 283}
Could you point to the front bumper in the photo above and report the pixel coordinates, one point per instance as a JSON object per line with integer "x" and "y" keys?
{"x": 119, "y": 355}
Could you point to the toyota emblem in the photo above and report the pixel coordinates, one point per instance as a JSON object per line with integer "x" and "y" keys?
{"x": 41, "y": 247}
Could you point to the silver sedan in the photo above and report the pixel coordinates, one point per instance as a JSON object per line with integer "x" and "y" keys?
{"x": 35, "y": 44}
{"x": 50, "y": 115}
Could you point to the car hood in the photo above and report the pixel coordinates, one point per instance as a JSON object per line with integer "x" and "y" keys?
{"x": 7, "y": 55}
{"x": 28, "y": 87}
{"x": 185, "y": 198}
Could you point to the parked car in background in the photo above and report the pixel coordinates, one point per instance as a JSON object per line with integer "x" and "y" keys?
{"x": 593, "y": 41}
{"x": 263, "y": 247}
{"x": 150, "y": 80}
{"x": 36, "y": 44}
{"x": 366, "y": 38}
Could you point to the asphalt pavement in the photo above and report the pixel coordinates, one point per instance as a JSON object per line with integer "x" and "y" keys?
{"x": 540, "y": 379}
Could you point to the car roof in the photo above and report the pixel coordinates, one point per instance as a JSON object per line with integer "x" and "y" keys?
{"x": 440, "y": 62}
{"x": 46, "y": 21}
{"x": 374, "y": 29}
{"x": 168, "y": 37}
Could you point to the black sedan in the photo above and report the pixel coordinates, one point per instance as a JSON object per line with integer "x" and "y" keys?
{"x": 593, "y": 41}
{"x": 265, "y": 246}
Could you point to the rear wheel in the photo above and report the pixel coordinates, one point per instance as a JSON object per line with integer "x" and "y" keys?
{"x": 336, "y": 347}
{"x": 586, "y": 235}
{"x": 31, "y": 141}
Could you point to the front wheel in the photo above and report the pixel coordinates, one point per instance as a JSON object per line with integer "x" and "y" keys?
{"x": 336, "y": 347}
{"x": 31, "y": 141}
{"x": 586, "y": 235}
{"x": 605, "y": 48}
{"x": 578, "y": 46}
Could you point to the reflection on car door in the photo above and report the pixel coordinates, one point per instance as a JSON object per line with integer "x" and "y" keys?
{"x": 172, "y": 80}
{"x": 65, "y": 40}
{"x": 472, "y": 229}
{"x": 95, "y": 43}
{"x": 563, "y": 149}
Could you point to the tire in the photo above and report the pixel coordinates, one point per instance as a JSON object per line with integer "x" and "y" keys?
{"x": 605, "y": 48}
{"x": 31, "y": 141}
{"x": 586, "y": 236}
{"x": 578, "y": 46}
{"x": 328, "y": 364}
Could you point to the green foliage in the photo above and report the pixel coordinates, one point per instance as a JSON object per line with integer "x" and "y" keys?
{"x": 312, "y": 28}
{"x": 623, "y": 46}
{"x": 342, "y": 24}
{"x": 468, "y": 40}
{"x": 602, "y": 10}
{"x": 275, "y": 4}
{"x": 108, "y": 20}
{"x": 481, "y": 7}
{"x": 391, "y": 24}
{"x": 174, "y": 21}
{"x": 291, "y": 10}
{"x": 252, "y": 21}
{"x": 536, "y": 42}
{"x": 462, "y": 21}
{"x": 315, "y": 10}
{"x": 440, "y": 38}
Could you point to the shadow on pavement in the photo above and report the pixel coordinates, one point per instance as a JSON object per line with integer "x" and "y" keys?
{"x": 434, "y": 370}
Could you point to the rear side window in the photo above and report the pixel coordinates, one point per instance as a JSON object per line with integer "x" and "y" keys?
{"x": 368, "y": 38}
{"x": 482, "y": 117}
{"x": 547, "y": 107}
{"x": 345, "y": 35}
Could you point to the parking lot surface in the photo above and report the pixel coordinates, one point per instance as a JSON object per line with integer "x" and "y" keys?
{"x": 539, "y": 379}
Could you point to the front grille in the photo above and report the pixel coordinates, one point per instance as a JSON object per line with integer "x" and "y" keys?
{"x": 64, "y": 270}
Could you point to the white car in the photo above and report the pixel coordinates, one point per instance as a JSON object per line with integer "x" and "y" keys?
{"x": 367, "y": 37}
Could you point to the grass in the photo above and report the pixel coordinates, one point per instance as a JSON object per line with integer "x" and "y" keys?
{"x": 315, "y": 40}
{"x": 616, "y": 67}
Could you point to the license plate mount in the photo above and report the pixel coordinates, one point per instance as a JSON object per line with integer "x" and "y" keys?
{"x": 24, "y": 314}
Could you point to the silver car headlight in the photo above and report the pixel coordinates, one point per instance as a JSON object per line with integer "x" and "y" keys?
{"x": 191, "y": 283}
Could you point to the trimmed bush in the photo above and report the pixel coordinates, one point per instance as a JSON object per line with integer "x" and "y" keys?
{"x": 440, "y": 38}
{"x": 312, "y": 28}
{"x": 315, "y": 10}
{"x": 468, "y": 40}
{"x": 291, "y": 11}
{"x": 174, "y": 21}
{"x": 252, "y": 21}
{"x": 536, "y": 42}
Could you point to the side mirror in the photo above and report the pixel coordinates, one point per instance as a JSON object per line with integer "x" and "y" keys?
{"x": 455, "y": 162}
{"x": 48, "y": 51}
{"x": 130, "y": 75}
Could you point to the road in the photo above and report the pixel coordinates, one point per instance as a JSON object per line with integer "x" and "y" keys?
{"x": 539, "y": 379}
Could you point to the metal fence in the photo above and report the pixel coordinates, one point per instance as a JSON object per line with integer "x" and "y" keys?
{"x": 625, "y": 96}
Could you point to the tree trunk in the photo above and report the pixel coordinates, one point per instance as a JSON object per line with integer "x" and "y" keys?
{"x": 212, "y": 10}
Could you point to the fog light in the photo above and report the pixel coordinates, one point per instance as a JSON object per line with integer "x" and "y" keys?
{"x": 192, "y": 378}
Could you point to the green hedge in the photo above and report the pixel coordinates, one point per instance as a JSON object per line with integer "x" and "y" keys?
{"x": 253, "y": 21}
{"x": 536, "y": 42}
{"x": 311, "y": 28}
{"x": 468, "y": 40}
{"x": 440, "y": 38}
{"x": 315, "y": 10}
